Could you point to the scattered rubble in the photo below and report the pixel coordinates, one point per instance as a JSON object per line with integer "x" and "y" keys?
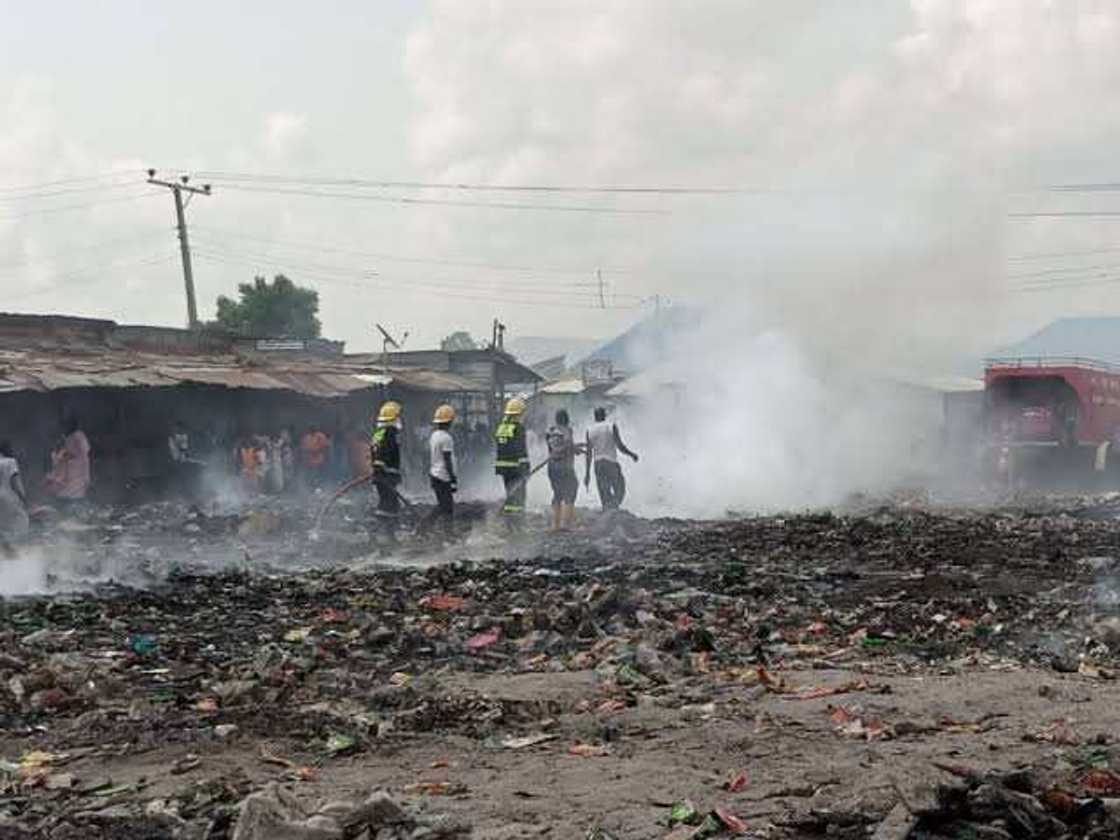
{"x": 768, "y": 630}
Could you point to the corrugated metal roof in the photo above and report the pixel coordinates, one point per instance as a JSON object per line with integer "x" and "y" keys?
{"x": 36, "y": 370}
{"x": 564, "y": 386}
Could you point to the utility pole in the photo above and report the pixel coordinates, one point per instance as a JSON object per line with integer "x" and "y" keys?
{"x": 177, "y": 190}
{"x": 498, "y": 336}
{"x": 388, "y": 341}
{"x": 602, "y": 299}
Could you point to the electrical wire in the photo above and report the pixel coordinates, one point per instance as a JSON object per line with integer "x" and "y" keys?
{"x": 381, "y": 285}
{"x": 437, "y": 287}
{"x": 1058, "y": 214}
{"x": 287, "y": 262}
{"x": 93, "y": 246}
{"x": 1058, "y": 271}
{"x": 493, "y": 205}
{"x": 35, "y": 196}
{"x": 1061, "y": 254}
{"x": 250, "y": 177}
{"x": 515, "y": 286}
{"x": 63, "y": 181}
{"x": 320, "y": 246}
{"x": 44, "y": 211}
{"x": 1058, "y": 287}
{"x": 60, "y": 279}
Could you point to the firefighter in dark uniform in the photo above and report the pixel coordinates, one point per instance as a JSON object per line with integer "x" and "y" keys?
{"x": 512, "y": 462}
{"x": 385, "y": 454}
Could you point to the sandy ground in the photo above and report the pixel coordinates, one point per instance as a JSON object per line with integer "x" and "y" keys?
{"x": 840, "y": 660}
{"x": 793, "y": 760}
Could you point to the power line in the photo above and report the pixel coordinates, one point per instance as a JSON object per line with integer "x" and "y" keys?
{"x": 93, "y": 246}
{"x": 493, "y": 205}
{"x": 60, "y": 279}
{"x": 62, "y": 181}
{"x": 1073, "y": 284}
{"x": 1100, "y": 187}
{"x": 1061, "y": 254}
{"x": 437, "y": 286}
{"x": 284, "y": 262}
{"x": 287, "y": 261}
{"x": 44, "y": 211}
{"x": 477, "y": 187}
{"x": 1063, "y": 270}
{"x": 35, "y": 196}
{"x": 379, "y": 285}
{"x": 379, "y": 255}
{"x": 1064, "y": 214}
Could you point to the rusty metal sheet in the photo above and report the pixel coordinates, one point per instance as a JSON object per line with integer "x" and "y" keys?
{"x": 226, "y": 377}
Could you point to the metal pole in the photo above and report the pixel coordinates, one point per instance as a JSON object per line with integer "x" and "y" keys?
{"x": 177, "y": 189}
{"x": 185, "y": 249}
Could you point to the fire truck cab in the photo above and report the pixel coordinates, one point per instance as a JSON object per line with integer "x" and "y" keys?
{"x": 1053, "y": 418}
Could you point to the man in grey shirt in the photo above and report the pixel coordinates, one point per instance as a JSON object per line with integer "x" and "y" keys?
{"x": 603, "y": 445}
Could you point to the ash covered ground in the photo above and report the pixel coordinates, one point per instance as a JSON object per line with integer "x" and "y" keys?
{"x": 905, "y": 670}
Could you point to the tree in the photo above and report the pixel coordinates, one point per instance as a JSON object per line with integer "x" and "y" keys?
{"x": 459, "y": 340}
{"x": 279, "y": 309}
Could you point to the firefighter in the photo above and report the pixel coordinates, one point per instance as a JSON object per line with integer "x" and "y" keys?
{"x": 442, "y": 471}
{"x": 512, "y": 462}
{"x": 385, "y": 455}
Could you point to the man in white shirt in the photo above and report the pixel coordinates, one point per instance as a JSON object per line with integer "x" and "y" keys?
{"x": 441, "y": 447}
{"x": 603, "y": 445}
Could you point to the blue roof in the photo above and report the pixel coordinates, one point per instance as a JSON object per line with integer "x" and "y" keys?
{"x": 1087, "y": 338}
{"x": 647, "y": 342}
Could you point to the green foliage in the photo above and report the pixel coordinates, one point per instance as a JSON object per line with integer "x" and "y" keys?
{"x": 460, "y": 340}
{"x": 279, "y": 309}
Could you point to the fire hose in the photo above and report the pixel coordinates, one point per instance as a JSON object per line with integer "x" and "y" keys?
{"x": 350, "y": 485}
{"x": 364, "y": 479}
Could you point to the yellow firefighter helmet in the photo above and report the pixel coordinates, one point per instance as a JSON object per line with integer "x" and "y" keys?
{"x": 444, "y": 414}
{"x": 515, "y": 407}
{"x": 389, "y": 412}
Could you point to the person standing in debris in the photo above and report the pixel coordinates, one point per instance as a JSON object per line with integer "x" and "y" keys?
{"x": 315, "y": 451}
{"x": 248, "y": 464}
{"x": 179, "y": 443}
{"x": 385, "y": 455}
{"x": 70, "y": 478}
{"x": 602, "y": 448}
{"x": 185, "y": 469}
{"x": 562, "y": 451}
{"x": 512, "y": 462}
{"x": 14, "y": 521}
{"x": 287, "y": 458}
{"x": 444, "y": 478}
{"x": 274, "y": 458}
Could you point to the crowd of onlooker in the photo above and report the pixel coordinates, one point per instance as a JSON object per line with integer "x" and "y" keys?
{"x": 66, "y": 483}
{"x": 200, "y": 461}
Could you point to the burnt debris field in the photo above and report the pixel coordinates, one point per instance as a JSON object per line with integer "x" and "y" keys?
{"x": 896, "y": 672}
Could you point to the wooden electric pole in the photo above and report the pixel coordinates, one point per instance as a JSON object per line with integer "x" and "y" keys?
{"x": 177, "y": 190}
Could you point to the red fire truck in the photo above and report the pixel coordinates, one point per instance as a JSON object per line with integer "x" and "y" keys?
{"x": 1053, "y": 418}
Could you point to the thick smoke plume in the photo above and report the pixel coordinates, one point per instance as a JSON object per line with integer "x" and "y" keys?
{"x": 884, "y": 146}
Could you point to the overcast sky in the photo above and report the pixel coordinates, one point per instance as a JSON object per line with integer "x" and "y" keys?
{"x": 882, "y": 146}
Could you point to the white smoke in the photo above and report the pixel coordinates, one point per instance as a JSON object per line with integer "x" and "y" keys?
{"x": 888, "y": 144}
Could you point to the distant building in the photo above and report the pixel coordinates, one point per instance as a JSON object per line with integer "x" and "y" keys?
{"x": 129, "y": 384}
